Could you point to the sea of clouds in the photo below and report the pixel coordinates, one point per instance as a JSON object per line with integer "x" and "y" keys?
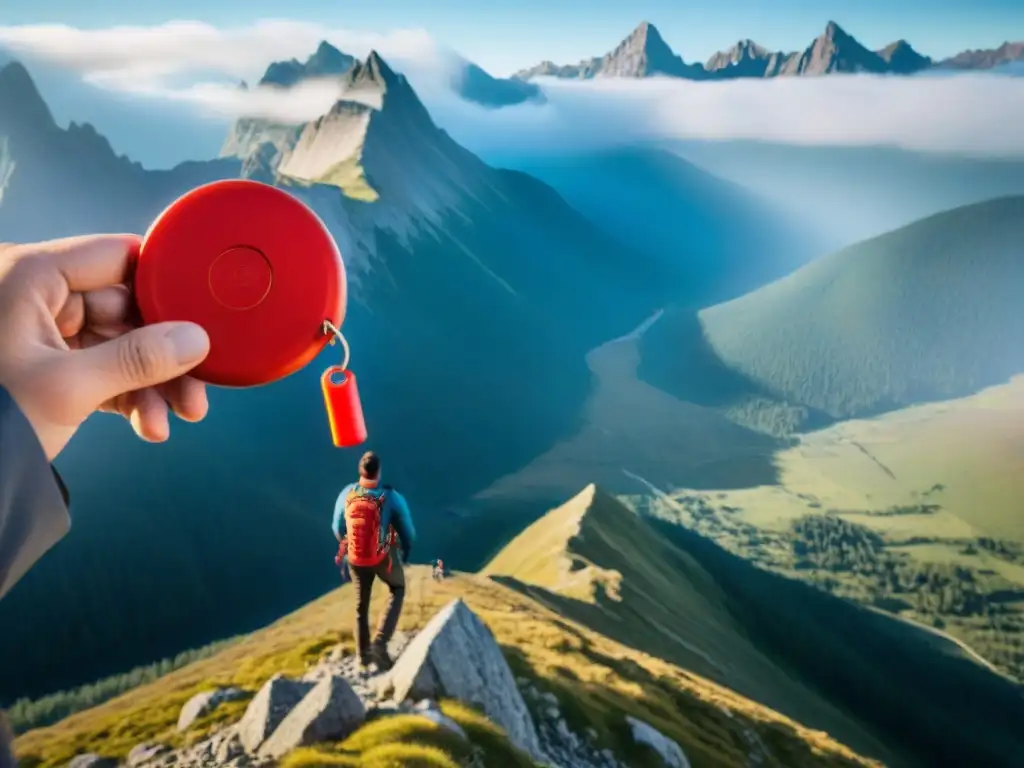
{"x": 198, "y": 67}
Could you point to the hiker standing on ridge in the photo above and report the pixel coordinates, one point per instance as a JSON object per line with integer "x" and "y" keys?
{"x": 367, "y": 518}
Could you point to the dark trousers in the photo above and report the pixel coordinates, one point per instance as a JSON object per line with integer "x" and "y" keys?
{"x": 363, "y": 577}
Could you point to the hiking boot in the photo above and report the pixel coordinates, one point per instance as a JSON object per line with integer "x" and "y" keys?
{"x": 379, "y": 655}
{"x": 364, "y": 665}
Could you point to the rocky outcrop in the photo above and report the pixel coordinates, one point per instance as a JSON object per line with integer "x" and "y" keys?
{"x": 456, "y": 656}
{"x": 672, "y": 754}
{"x": 147, "y": 753}
{"x": 204, "y": 703}
{"x": 561, "y": 745}
{"x": 989, "y": 58}
{"x": 331, "y": 711}
{"x": 91, "y": 760}
{"x": 269, "y": 708}
{"x": 643, "y": 53}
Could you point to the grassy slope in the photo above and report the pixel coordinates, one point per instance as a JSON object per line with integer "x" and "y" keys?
{"x": 594, "y": 561}
{"x": 973, "y": 446}
{"x": 927, "y": 312}
{"x": 597, "y": 678}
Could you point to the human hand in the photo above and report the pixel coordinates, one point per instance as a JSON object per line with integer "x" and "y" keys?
{"x": 68, "y": 346}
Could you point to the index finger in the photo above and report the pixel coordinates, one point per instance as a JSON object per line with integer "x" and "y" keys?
{"x": 90, "y": 262}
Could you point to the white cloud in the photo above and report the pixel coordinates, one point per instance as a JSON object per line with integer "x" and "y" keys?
{"x": 196, "y": 63}
{"x": 190, "y": 61}
{"x": 976, "y": 114}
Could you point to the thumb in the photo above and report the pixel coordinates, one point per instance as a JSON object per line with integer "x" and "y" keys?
{"x": 143, "y": 357}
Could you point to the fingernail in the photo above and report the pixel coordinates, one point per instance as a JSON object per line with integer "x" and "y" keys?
{"x": 191, "y": 344}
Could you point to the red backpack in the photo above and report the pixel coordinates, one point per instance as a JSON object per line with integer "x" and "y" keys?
{"x": 362, "y": 528}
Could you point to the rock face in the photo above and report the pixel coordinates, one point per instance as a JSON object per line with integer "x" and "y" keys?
{"x": 671, "y": 753}
{"x": 1007, "y": 53}
{"x": 92, "y": 761}
{"x": 644, "y": 53}
{"x": 203, "y": 703}
{"x": 746, "y": 59}
{"x": 834, "y": 51}
{"x": 331, "y": 711}
{"x": 369, "y": 688}
{"x": 327, "y": 61}
{"x": 561, "y": 745}
{"x": 456, "y": 655}
{"x": 903, "y": 59}
{"x": 269, "y": 708}
{"x": 145, "y": 753}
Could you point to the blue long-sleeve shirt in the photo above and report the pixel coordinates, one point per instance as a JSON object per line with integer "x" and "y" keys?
{"x": 33, "y": 512}
{"x": 395, "y": 513}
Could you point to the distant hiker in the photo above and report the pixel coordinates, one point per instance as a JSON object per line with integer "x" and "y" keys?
{"x": 368, "y": 517}
{"x": 439, "y": 570}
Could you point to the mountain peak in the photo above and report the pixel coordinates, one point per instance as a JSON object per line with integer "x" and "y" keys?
{"x": 21, "y": 104}
{"x": 902, "y": 58}
{"x": 376, "y": 75}
{"x": 326, "y": 61}
{"x": 379, "y": 67}
{"x": 745, "y": 59}
{"x": 834, "y": 32}
{"x": 834, "y": 51}
{"x": 642, "y": 54}
{"x": 378, "y": 138}
{"x": 648, "y": 39}
{"x": 648, "y": 33}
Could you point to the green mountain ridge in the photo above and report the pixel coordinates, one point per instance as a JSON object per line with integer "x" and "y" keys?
{"x": 925, "y": 313}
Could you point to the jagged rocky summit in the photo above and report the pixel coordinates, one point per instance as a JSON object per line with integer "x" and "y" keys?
{"x": 455, "y": 656}
{"x": 644, "y": 53}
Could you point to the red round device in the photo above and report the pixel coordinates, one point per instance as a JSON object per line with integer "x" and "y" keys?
{"x": 254, "y": 267}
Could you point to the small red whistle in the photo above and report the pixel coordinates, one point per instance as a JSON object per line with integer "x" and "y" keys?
{"x": 344, "y": 411}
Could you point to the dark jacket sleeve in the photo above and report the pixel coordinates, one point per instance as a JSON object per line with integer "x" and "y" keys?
{"x": 33, "y": 500}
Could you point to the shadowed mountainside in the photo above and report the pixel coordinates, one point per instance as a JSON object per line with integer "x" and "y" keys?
{"x": 927, "y": 312}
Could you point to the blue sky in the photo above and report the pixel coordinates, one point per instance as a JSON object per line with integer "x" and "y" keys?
{"x": 505, "y": 35}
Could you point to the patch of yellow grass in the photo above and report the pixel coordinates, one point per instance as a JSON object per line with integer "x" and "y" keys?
{"x": 350, "y": 177}
{"x": 151, "y": 711}
{"x": 413, "y": 740}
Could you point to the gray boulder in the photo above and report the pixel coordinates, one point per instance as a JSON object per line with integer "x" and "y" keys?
{"x": 268, "y": 708}
{"x": 331, "y": 711}
{"x": 456, "y": 655}
{"x": 143, "y": 753}
{"x": 91, "y": 760}
{"x": 671, "y": 753}
{"x": 203, "y": 703}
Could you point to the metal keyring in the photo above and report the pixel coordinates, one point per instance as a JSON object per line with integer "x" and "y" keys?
{"x": 336, "y": 335}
